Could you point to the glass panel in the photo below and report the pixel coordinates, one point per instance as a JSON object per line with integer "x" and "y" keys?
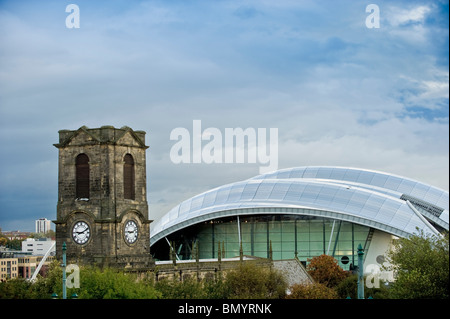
{"x": 222, "y": 196}
{"x": 365, "y": 178}
{"x": 351, "y": 175}
{"x": 406, "y": 186}
{"x": 433, "y": 195}
{"x": 249, "y": 191}
{"x": 209, "y": 199}
{"x": 284, "y": 174}
{"x": 311, "y": 192}
{"x": 279, "y": 191}
{"x": 310, "y": 172}
{"x": 316, "y": 226}
{"x": 287, "y": 226}
{"x": 338, "y": 173}
{"x": 275, "y": 236}
{"x": 379, "y": 180}
{"x": 282, "y": 233}
{"x": 196, "y": 203}
{"x": 264, "y": 190}
{"x": 324, "y": 173}
{"x": 235, "y": 193}
{"x": 296, "y": 173}
{"x": 184, "y": 207}
{"x": 294, "y": 192}
{"x": 393, "y": 182}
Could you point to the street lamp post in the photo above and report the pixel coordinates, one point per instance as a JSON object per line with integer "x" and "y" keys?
{"x": 64, "y": 248}
{"x": 360, "y": 272}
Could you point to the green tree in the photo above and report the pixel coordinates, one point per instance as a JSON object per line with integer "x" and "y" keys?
{"x": 108, "y": 283}
{"x": 44, "y": 287}
{"x": 3, "y": 239}
{"x": 17, "y": 288}
{"x": 49, "y": 234}
{"x": 349, "y": 288}
{"x": 15, "y": 244}
{"x": 421, "y": 265}
{"x": 251, "y": 281}
{"x": 216, "y": 289}
{"x": 189, "y": 288}
{"x": 312, "y": 291}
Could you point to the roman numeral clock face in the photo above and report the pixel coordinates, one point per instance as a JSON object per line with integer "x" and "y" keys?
{"x": 81, "y": 232}
{"x": 131, "y": 232}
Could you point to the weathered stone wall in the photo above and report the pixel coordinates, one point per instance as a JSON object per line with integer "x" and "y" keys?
{"x": 106, "y": 211}
{"x": 203, "y": 269}
{"x": 292, "y": 269}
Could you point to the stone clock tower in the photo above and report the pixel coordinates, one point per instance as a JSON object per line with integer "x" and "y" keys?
{"x": 102, "y": 210}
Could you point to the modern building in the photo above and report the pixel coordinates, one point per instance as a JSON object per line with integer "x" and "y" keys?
{"x": 303, "y": 212}
{"x": 9, "y": 269}
{"x": 38, "y": 247}
{"x": 18, "y": 264}
{"x": 42, "y": 225}
{"x": 28, "y": 264}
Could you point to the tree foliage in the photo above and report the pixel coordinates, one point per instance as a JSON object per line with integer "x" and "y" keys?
{"x": 325, "y": 270}
{"x": 246, "y": 281}
{"x": 16, "y": 288}
{"x": 349, "y": 288}
{"x": 109, "y": 283}
{"x": 189, "y": 288}
{"x": 312, "y": 291}
{"x": 249, "y": 281}
{"x": 421, "y": 265}
{"x": 44, "y": 287}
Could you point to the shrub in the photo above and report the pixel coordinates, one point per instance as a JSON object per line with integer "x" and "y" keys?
{"x": 250, "y": 281}
{"x": 110, "y": 283}
{"x": 312, "y": 291}
{"x": 189, "y": 288}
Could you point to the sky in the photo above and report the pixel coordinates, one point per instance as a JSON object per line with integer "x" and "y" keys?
{"x": 338, "y": 92}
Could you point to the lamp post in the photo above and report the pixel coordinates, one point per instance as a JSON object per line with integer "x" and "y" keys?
{"x": 63, "y": 265}
{"x": 360, "y": 272}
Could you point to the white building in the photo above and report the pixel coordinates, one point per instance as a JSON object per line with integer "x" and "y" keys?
{"x": 38, "y": 246}
{"x": 42, "y": 225}
{"x": 304, "y": 212}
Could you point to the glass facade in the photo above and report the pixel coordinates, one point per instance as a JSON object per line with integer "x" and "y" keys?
{"x": 283, "y": 235}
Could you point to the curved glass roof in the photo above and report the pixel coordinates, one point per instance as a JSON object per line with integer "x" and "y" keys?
{"x": 383, "y": 201}
{"x": 420, "y": 194}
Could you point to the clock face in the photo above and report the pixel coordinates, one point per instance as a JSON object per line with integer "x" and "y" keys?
{"x": 131, "y": 231}
{"x": 81, "y": 232}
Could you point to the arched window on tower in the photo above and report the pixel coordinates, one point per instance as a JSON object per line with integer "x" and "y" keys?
{"x": 82, "y": 176}
{"x": 128, "y": 177}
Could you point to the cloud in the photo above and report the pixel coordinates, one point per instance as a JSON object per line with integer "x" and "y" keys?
{"x": 339, "y": 93}
{"x": 399, "y": 16}
{"x": 435, "y": 89}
